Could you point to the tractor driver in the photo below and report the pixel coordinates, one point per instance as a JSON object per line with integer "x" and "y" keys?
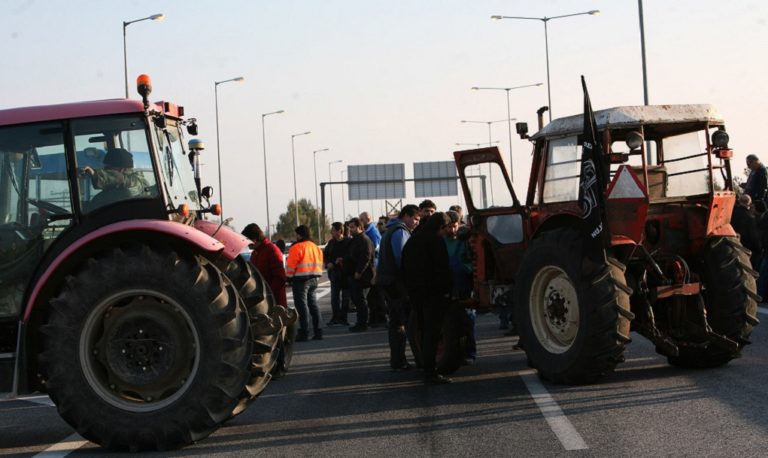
{"x": 117, "y": 180}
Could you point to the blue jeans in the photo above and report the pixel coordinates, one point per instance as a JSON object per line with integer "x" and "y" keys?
{"x": 358, "y": 292}
{"x": 305, "y": 301}
{"x": 339, "y": 300}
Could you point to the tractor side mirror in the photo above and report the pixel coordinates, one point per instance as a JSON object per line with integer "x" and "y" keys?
{"x": 192, "y": 126}
{"x": 207, "y": 192}
{"x": 34, "y": 160}
{"x": 522, "y": 129}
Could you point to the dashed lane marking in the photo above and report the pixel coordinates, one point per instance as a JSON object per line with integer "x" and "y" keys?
{"x": 558, "y": 422}
{"x": 763, "y": 310}
{"x": 63, "y": 448}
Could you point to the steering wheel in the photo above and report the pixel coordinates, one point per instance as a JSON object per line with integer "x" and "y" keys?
{"x": 49, "y": 207}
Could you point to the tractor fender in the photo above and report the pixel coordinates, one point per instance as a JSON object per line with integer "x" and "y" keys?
{"x": 233, "y": 242}
{"x": 208, "y": 246}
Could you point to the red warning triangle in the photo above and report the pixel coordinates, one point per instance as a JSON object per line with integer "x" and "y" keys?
{"x": 626, "y": 185}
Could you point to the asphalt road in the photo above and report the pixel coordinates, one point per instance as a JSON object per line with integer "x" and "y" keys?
{"x": 340, "y": 399}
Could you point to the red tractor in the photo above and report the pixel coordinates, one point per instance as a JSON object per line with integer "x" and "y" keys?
{"x": 117, "y": 297}
{"x": 673, "y": 269}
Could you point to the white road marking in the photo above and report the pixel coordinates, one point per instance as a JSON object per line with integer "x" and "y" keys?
{"x": 561, "y": 426}
{"x": 763, "y": 310}
{"x": 63, "y": 448}
{"x": 42, "y": 400}
{"x": 321, "y": 292}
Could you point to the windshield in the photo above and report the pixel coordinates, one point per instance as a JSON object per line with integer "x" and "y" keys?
{"x": 175, "y": 167}
{"x": 685, "y": 163}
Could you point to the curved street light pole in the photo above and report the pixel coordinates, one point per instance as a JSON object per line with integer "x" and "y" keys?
{"x": 317, "y": 202}
{"x": 293, "y": 155}
{"x": 218, "y": 148}
{"x": 509, "y": 119}
{"x": 154, "y": 17}
{"x": 545, "y": 20}
{"x": 264, "y": 150}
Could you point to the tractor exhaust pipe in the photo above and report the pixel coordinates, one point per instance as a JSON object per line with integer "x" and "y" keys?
{"x": 541, "y": 112}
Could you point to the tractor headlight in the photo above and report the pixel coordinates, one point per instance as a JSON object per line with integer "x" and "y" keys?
{"x": 634, "y": 140}
{"x": 720, "y": 139}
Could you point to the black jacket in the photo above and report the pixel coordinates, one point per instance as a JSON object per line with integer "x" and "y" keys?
{"x": 334, "y": 250}
{"x": 359, "y": 258}
{"x": 425, "y": 265}
{"x": 745, "y": 224}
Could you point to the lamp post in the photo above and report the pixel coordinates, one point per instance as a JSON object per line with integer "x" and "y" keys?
{"x": 293, "y": 155}
{"x": 509, "y": 119}
{"x": 330, "y": 188}
{"x": 343, "y": 201}
{"x": 264, "y": 149}
{"x": 546, "y": 41}
{"x": 317, "y": 202}
{"x": 218, "y": 148}
{"x": 154, "y": 17}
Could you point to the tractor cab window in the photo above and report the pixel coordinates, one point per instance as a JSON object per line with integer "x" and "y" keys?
{"x": 561, "y": 181}
{"x": 175, "y": 167}
{"x": 113, "y": 161}
{"x": 35, "y": 204}
{"x": 488, "y": 186}
{"x": 685, "y": 161}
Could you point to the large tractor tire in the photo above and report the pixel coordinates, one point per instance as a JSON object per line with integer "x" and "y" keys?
{"x": 266, "y": 329}
{"x": 572, "y": 315}
{"x": 730, "y": 297}
{"x": 452, "y": 347}
{"x": 146, "y": 349}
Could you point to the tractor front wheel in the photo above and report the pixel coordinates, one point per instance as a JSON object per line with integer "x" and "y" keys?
{"x": 572, "y": 315}
{"x": 146, "y": 349}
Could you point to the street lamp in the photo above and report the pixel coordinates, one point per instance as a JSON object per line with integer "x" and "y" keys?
{"x": 154, "y": 17}
{"x": 509, "y": 118}
{"x": 218, "y": 148}
{"x": 343, "y": 200}
{"x": 264, "y": 149}
{"x": 317, "y": 202}
{"x": 546, "y": 41}
{"x": 293, "y": 155}
{"x": 330, "y": 188}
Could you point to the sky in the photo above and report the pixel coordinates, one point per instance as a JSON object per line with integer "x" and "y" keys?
{"x": 381, "y": 82}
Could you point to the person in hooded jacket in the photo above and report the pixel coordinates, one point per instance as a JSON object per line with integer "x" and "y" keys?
{"x": 389, "y": 278}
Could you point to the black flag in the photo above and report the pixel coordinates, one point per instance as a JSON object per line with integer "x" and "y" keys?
{"x": 592, "y": 184}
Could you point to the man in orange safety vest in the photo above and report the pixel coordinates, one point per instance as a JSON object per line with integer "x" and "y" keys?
{"x": 303, "y": 267}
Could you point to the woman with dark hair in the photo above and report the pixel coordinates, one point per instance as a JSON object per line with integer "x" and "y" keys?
{"x": 268, "y": 260}
{"x": 427, "y": 276}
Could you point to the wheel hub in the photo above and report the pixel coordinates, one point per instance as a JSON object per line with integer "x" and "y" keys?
{"x": 143, "y": 351}
{"x": 554, "y": 309}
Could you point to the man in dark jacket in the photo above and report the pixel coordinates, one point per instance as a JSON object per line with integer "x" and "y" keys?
{"x": 427, "y": 278}
{"x": 744, "y": 223}
{"x": 757, "y": 183}
{"x": 334, "y": 253}
{"x": 358, "y": 265}
{"x": 390, "y": 279}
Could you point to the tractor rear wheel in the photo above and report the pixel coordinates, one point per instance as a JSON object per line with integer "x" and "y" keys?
{"x": 146, "y": 349}
{"x": 265, "y": 332}
{"x": 730, "y": 297}
{"x": 572, "y": 315}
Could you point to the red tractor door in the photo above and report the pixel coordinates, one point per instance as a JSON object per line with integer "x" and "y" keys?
{"x": 499, "y": 223}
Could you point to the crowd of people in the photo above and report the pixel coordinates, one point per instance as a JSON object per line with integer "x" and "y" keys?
{"x": 412, "y": 263}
